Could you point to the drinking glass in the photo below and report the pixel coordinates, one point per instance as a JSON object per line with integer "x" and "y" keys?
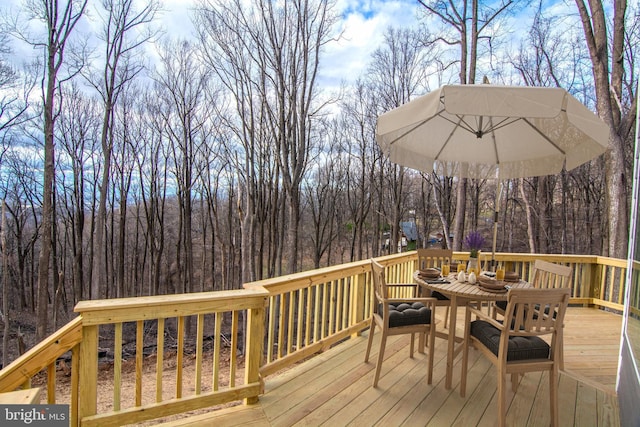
{"x": 500, "y": 272}
{"x": 462, "y": 267}
{"x": 446, "y": 268}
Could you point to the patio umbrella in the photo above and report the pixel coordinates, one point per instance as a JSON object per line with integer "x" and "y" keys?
{"x": 490, "y": 131}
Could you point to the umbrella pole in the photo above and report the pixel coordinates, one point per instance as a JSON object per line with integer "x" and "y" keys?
{"x": 495, "y": 226}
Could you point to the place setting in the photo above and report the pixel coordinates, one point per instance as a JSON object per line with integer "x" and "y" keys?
{"x": 497, "y": 282}
{"x": 434, "y": 275}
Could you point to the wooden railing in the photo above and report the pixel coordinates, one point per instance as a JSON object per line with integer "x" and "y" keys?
{"x": 152, "y": 318}
{"x": 312, "y": 310}
{"x": 286, "y": 320}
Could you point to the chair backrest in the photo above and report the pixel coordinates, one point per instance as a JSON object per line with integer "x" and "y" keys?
{"x": 433, "y": 258}
{"x": 547, "y": 275}
{"x": 379, "y": 282}
{"x": 536, "y": 311}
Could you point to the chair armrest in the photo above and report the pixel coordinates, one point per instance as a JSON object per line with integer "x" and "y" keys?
{"x": 485, "y": 317}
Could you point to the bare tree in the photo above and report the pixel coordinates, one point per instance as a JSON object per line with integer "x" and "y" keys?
{"x": 465, "y": 24}
{"x": 15, "y": 91}
{"x": 182, "y": 83}
{"x": 152, "y": 168}
{"x": 362, "y": 155}
{"x": 323, "y": 188}
{"x": 125, "y": 30}
{"x": 273, "y": 50}
{"x": 58, "y": 19}
{"x": 78, "y": 138}
{"x": 607, "y": 43}
{"x": 397, "y": 73}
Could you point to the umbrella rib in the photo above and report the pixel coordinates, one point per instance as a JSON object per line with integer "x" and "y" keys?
{"x": 461, "y": 121}
{"x": 449, "y": 137}
{"x": 545, "y": 137}
{"x": 466, "y": 126}
{"x": 504, "y": 122}
{"x": 411, "y": 130}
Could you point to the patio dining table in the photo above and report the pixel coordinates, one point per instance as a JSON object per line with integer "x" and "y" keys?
{"x": 460, "y": 293}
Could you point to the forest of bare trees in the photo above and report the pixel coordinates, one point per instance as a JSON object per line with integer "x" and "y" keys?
{"x": 136, "y": 163}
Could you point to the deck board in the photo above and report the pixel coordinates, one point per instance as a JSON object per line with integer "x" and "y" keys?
{"x": 334, "y": 388}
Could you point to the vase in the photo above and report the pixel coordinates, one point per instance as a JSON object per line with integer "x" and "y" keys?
{"x": 474, "y": 264}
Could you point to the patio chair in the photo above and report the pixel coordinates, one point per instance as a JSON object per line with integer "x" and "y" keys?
{"x": 397, "y": 316}
{"x": 514, "y": 346}
{"x": 546, "y": 275}
{"x": 434, "y": 258}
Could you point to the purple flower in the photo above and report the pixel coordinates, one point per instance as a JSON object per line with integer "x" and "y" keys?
{"x": 474, "y": 241}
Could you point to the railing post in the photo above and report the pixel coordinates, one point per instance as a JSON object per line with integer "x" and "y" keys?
{"x": 588, "y": 281}
{"x": 88, "y": 374}
{"x": 358, "y": 300}
{"x": 597, "y": 281}
{"x": 255, "y": 342}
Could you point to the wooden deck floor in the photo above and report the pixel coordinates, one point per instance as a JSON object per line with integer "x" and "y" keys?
{"x": 334, "y": 388}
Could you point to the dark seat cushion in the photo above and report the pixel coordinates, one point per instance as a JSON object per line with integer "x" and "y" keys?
{"x": 437, "y": 295}
{"x": 520, "y": 348}
{"x": 502, "y": 305}
{"x": 408, "y": 313}
{"x": 546, "y": 311}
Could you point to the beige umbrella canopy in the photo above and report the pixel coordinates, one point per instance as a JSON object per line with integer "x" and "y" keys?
{"x": 490, "y": 131}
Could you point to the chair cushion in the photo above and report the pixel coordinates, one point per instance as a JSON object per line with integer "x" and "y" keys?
{"x": 437, "y": 295}
{"x": 502, "y": 305}
{"x": 520, "y": 348}
{"x": 408, "y": 313}
{"x": 546, "y": 311}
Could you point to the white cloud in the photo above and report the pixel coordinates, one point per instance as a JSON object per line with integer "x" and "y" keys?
{"x": 362, "y": 29}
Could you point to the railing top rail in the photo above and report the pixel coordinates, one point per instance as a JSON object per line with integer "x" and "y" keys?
{"x": 42, "y": 354}
{"x": 311, "y": 277}
{"x": 98, "y": 312}
{"x": 295, "y": 281}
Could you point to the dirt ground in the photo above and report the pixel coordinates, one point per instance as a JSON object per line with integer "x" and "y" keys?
{"x": 105, "y": 381}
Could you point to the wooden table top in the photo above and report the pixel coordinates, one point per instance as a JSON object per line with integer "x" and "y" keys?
{"x": 466, "y": 289}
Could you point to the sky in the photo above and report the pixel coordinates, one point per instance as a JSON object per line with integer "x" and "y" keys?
{"x": 362, "y": 25}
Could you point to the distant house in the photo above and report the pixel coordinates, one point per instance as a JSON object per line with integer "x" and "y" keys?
{"x": 408, "y": 234}
{"x": 409, "y": 230}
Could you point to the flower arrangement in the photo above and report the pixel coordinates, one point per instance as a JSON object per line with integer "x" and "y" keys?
{"x": 474, "y": 241}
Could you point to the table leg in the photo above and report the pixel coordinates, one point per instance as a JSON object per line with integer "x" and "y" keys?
{"x": 451, "y": 343}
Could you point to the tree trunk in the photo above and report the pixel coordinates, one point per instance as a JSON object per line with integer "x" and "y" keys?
{"x": 47, "y": 198}
{"x": 608, "y": 84}
{"x": 530, "y": 218}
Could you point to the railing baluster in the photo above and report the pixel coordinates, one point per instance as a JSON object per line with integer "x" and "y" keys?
{"x": 159, "y": 359}
{"x": 281, "y": 325}
{"x": 217, "y": 349}
{"x": 199, "y": 350}
{"x": 317, "y": 322}
{"x": 234, "y": 349}
{"x": 300, "y": 319}
{"x": 139, "y": 360}
{"x": 271, "y": 331}
{"x": 117, "y": 365}
{"x": 290, "y": 320}
{"x": 51, "y": 383}
{"x": 179, "y": 357}
{"x": 308, "y": 320}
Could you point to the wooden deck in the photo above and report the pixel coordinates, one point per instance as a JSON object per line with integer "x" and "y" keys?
{"x": 334, "y": 388}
